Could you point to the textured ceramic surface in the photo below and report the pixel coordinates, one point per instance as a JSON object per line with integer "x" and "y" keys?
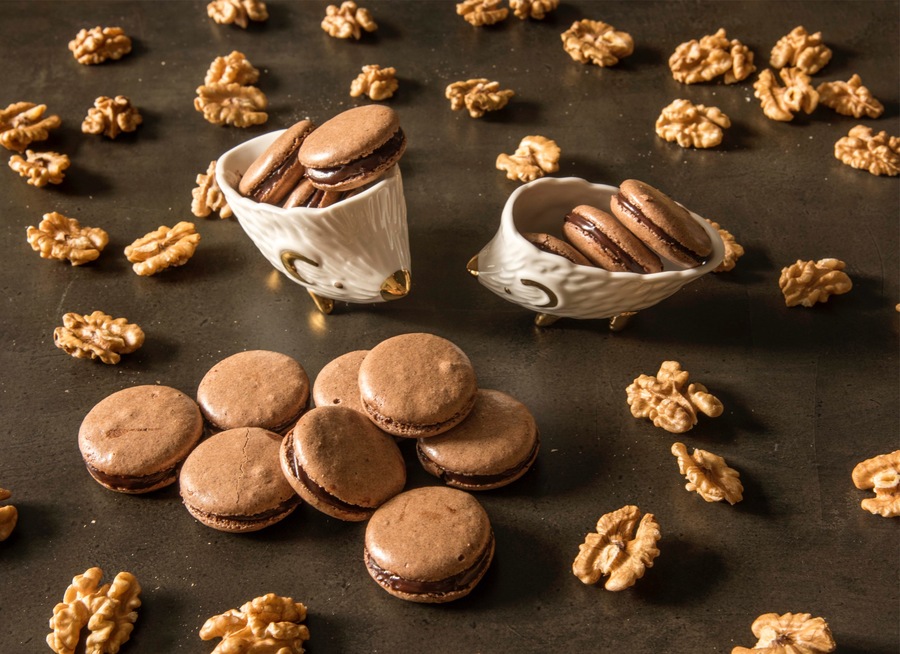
{"x": 344, "y": 252}
{"x": 516, "y": 270}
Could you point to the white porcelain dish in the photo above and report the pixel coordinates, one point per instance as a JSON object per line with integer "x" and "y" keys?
{"x": 551, "y": 285}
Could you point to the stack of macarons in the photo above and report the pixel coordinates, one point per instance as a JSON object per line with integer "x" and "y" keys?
{"x": 644, "y": 229}
{"x": 315, "y": 167}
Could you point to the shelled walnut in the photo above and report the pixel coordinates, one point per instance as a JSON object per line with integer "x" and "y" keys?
{"x": 347, "y": 21}
{"x": 233, "y": 68}
{"x": 163, "y": 248}
{"x": 712, "y": 56}
{"x": 482, "y": 12}
{"x": 477, "y": 96}
{"x": 669, "y": 401}
{"x": 692, "y": 125}
{"x": 593, "y": 41}
{"x": 61, "y": 238}
{"x": 41, "y": 168}
{"x": 782, "y": 102}
{"x": 376, "y": 82}
{"x": 207, "y": 196}
{"x": 97, "y": 336}
{"x": 8, "y": 516}
{"x": 265, "y": 624}
{"x": 96, "y": 45}
{"x": 733, "y": 249}
{"x": 881, "y": 474}
{"x": 617, "y": 549}
{"x": 537, "y": 9}
{"x": 22, "y": 123}
{"x": 808, "y": 282}
{"x": 877, "y": 153}
{"x": 709, "y": 475}
{"x": 111, "y": 117}
{"x": 232, "y": 104}
{"x": 850, "y": 98}
{"x": 108, "y": 611}
{"x": 800, "y": 49}
{"x": 535, "y": 157}
{"x": 791, "y": 633}
{"x": 237, "y": 12}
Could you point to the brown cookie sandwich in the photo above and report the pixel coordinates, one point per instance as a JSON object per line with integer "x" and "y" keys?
{"x": 557, "y": 246}
{"x": 607, "y": 242}
{"x": 276, "y": 172}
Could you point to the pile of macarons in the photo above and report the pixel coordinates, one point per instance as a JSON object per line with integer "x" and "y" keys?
{"x": 265, "y": 451}
{"x": 312, "y": 167}
{"x": 645, "y": 228}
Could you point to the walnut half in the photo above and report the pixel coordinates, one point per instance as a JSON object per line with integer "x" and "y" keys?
{"x": 809, "y": 282}
{"x": 22, "y": 123}
{"x": 709, "y": 475}
{"x": 207, "y": 196}
{"x": 850, "y": 98}
{"x": 593, "y": 41}
{"x": 237, "y": 12}
{"x": 791, "y": 633}
{"x": 669, "y": 401}
{"x": 863, "y": 149}
{"x": 347, "y": 21}
{"x": 535, "y": 156}
{"x": 111, "y": 117}
{"x": 537, "y": 9}
{"x": 8, "y": 516}
{"x": 61, "y": 238}
{"x": 232, "y": 104}
{"x": 800, "y": 49}
{"x": 265, "y": 624}
{"x": 231, "y": 69}
{"x": 482, "y": 12}
{"x": 41, "y": 168}
{"x": 163, "y": 248}
{"x": 881, "y": 474}
{"x": 620, "y": 548}
{"x": 692, "y": 125}
{"x": 733, "y": 249}
{"x": 477, "y": 96}
{"x": 376, "y": 82}
{"x": 782, "y": 102}
{"x": 714, "y": 55}
{"x": 96, "y": 45}
{"x": 97, "y": 336}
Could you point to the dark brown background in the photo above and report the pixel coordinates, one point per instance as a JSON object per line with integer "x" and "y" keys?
{"x": 808, "y": 392}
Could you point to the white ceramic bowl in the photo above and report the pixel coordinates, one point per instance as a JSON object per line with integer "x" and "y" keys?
{"x": 547, "y": 283}
{"x": 356, "y": 250}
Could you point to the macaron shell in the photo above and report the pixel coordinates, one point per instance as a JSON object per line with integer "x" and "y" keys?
{"x": 337, "y": 384}
{"x": 498, "y": 438}
{"x": 233, "y": 481}
{"x": 557, "y": 246}
{"x": 417, "y": 385}
{"x": 349, "y": 136}
{"x": 277, "y": 171}
{"x": 256, "y": 388}
{"x": 662, "y": 224}
{"x": 607, "y": 242}
{"x": 140, "y": 431}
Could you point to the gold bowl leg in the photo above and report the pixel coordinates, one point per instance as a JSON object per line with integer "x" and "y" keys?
{"x": 619, "y": 322}
{"x": 545, "y": 319}
{"x": 323, "y": 304}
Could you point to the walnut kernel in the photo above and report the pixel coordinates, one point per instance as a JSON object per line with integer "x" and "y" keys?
{"x": 882, "y": 474}
{"x": 733, "y": 249}
{"x": 232, "y": 104}
{"x": 537, "y": 9}
{"x": 111, "y": 117}
{"x": 347, "y": 21}
{"x": 237, "y": 12}
{"x": 8, "y": 516}
{"x": 669, "y": 401}
{"x": 782, "y": 102}
{"x": 96, "y": 45}
{"x": 808, "y": 282}
{"x": 850, "y": 98}
{"x": 21, "y": 123}
{"x": 265, "y": 624}
{"x": 376, "y": 82}
{"x": 207, "y": 196}
{"x": 617, "y": 549}
{"x": 477, "y": 96}
{"x": 61, "y": 238}
{"x": 97, "y": 336}
{"x": 713, "y": 55}
{"x": 535, "y": 156}
{"x": 800, "y": 49}
{"x": 593, "y": 41}
{"x": 692, "y": 125}
{"x": 709, "y": 475}
{"x": 791, "y": 633}
{"x": 482, "y": 12}
{"x": 163, "y": 248}
{"x": 40, "y": 168}
{"x": 231, "y": 69}
{"x": 863, "y": 149}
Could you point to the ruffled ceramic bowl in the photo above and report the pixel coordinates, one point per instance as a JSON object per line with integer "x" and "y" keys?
{"x": 356, "y": 250}
{"x": 555, "y": 287}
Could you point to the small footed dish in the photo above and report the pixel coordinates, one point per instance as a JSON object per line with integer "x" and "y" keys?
{"x": 356, "y": 250}
{"x": 553, "y": 286}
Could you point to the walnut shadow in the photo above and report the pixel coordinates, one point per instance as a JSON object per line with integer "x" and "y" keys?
{"x": 755, "y": 501}
{"x": 157, "y": 607}
{"x": 36, "y": 525}
{"x": 733, "y": 422}
{"x": 156, "y": 348}
{"x": 683, "y": 574}
{"x": 518, "y": 110}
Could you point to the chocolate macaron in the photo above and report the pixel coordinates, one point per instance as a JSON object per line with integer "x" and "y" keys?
{"x": 417, "y": 385}
{"x": 607, "y": 242}
{"x": 662, "y": 224}
{"x": 495, "y": 445}
{"x": 342, "y": 464}
{"x": 557, "y": 246}
{"x": 233, "y": 482}
{"x": 276, "y": 172}
{"x": 337, "y": 384}
{"x": 133, "y": 440}
{"x": 354, "y": 148}
{"x": 256, "y": 388}
{"x": 429, "y": 545}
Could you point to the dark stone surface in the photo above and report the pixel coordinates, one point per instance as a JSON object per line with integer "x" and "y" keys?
{"x": 808, "y": 392}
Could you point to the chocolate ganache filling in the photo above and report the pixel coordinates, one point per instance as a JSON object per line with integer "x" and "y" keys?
{"x": 613, "y": 249}
{"x": 642, "y": 218}
{"x": 317, "y": 490}
{"x": 274, "y": 178}
{"x": 287, "y": 505}
{"x": 479, "y": 480}
{"x": 126, "y": 483}
{"x": 338, "y": 174}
